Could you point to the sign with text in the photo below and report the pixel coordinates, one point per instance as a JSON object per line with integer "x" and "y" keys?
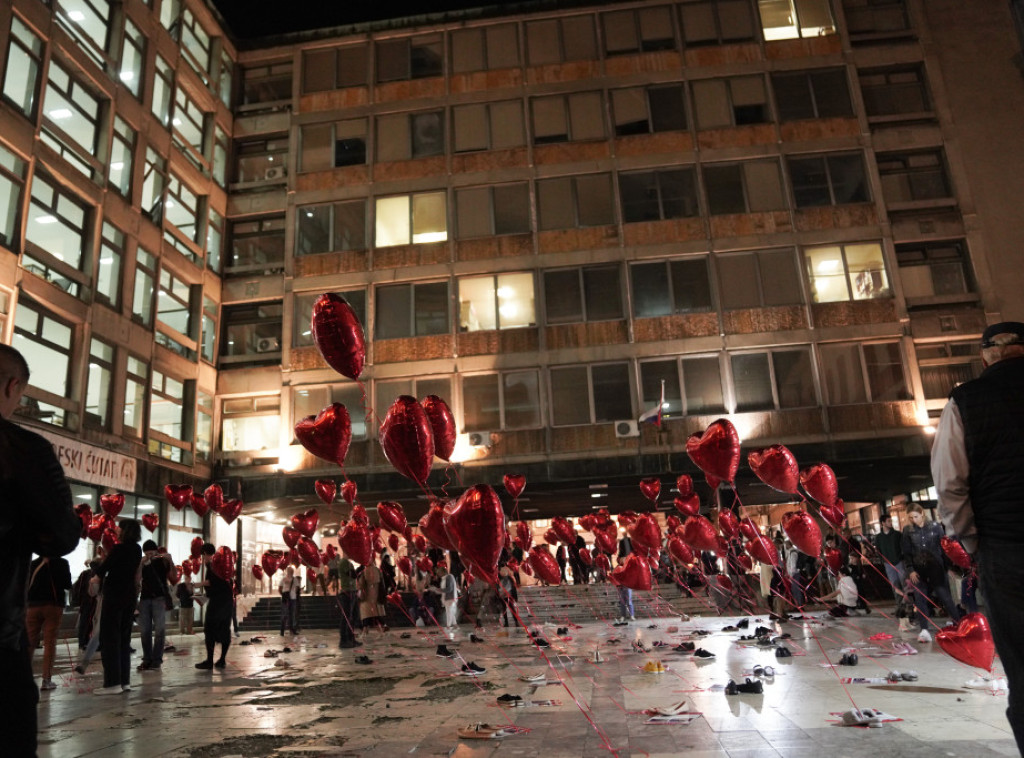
{"x": 93, "y": 465}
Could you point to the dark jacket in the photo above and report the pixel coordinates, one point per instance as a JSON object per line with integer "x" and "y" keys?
{"x": 119, "y": 572}
{"x": 35, "y": 517}
{"x": 154, "y": 578}
{"x": 890, "y": 546}
{"x": 51, "y": 583}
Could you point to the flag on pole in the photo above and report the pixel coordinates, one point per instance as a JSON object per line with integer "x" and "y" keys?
{"x": 654, "y": 415}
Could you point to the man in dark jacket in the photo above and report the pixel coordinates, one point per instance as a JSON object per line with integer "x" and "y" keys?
{"x": 889, "y": 544}
{"x": 35, "y": 517}
{"x": 153, "y": 600}
{"x": 977, "y": 461}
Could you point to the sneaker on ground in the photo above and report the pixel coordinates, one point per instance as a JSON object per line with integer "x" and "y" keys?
{"x": 685, "y": 647}
{"x": 112, "y": 690}
{"x": 444, "y": 652}
{"x": 540, "y": 642}
{"x": 654, "y": 667}
{"x": 80, "y": 669}
{"x": 924, "y": 636}
{"x": 703, "y": 654}
{"x": 865, "y": 717}
{"x": 206, "y": 665}
{"x": 47, "y": 684}
{"x": 478, "y": 669}
{"x": 126, "y": 688}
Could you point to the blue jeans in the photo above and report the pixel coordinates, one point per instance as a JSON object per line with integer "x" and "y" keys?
{"x": 289, "y": 615}
{"x": 796, "y": 587}
{"x": 152, "y": 625}
{"x": 348, "y": 602}
{"x": 933, "y": 589}
{"x": 896, "y": 575}
{"x": 625, "y": 601}
{"x": 1001, "y": 571}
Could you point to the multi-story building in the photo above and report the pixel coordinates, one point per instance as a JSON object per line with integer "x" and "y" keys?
{"x": 799, "y": 214}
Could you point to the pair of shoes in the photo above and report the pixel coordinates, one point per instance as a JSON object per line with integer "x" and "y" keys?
{"x": 659, "y": 643}
{"x": 144, "y": 666}
{"x": 444, "y": 652}
{"x": 362, "y": 660}
{"x": 894, "y": 676}
{"x": 112, "y": 690}
{"x": 904, "y": 648}
{"x": 850, "y": 659}
{"x": 507, "y": 698}
{"x": 474, "y": 638}
{"x": 765, "y": 641}
{"x": 763, "y": 631}
{"x": 924, "y": 636}
{"x": 484, "y": 732}
{"x": 865, "y": 717}
{"x": 743, "y": 624}
{"x": 749, "y": 687}
{"x": 638, "y": 647}
{"x": 766, "y": 671}
{"x": 620, "y": 622}
{"x": 47, "y": 684}
{"x": 208, "y": 665}
{"x": 783, "y": 652}
{"x": 270, "y": 654}
{"x": 597, "y": 658}
{"x": 533, "y": 678}
{"x": 730, "y": 629}
{"x": 562, "y": 631}
{"x": 685, "y": 647}
{"x": 654, "y": 667}
{"x": 702, "y": 654}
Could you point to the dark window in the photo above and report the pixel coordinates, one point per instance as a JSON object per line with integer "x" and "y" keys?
{"x": 895, "y": 92}
{"x": 934, "y": 269}
{"x": 828, "y": 180}
{"x": 665, "y": 288}
{"x": 757, "y": 280}
{"x": 412, "y": 310}
{"x": 654, "y": 195}
{"x": 592, "y": 293}
{"x": 812, "y": 94}
{"x": 907, "y": 177}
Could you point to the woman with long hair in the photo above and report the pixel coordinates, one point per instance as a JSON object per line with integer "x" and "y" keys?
{"x": 119, "y": 573}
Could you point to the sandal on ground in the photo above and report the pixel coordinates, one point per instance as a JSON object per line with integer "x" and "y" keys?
{"x": 483, "y": 732}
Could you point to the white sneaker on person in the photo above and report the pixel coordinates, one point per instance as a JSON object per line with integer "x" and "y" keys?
{"x": 47, "y": 684}
{"x": 112, "y": 690}
{"x": 924, "y": 636}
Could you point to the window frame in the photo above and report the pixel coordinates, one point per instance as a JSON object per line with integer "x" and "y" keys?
{"x": 593, "y": 413}
{"x": 501, "y": 379}
{"x": 36, "y": 55}
{"x": 776, "y": 389}
{"x": 412, "y": 330}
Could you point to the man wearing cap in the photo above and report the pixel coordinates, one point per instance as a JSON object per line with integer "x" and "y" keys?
{"x": 153, "y": 601}
{"x": 978, "y": 468}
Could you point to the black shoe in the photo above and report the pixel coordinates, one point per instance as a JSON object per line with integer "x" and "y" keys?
{"x": 220, "y": 664}
{"x": 783, "y": 652}
{"x": 286, "y": 650}
{"x": 731, "y": 688}
{"x": 474, "y": 638}
{"x": 761, "y": 631}
{"x": 562, "y": 631}
{"x": 363, "y": 660}
{"x": 730, "y": 629}
{"x": 744, "y": 624}
{"x": 540, "y": 642}
{"x": 406, "y": 635}
{"x": 704, "y": 654}
{"x": 685, "y": 647}
{"x": 473, "y": 667}
{"x": 749, "y": 687}
{"x": 444, "y": 652}
{"x": 142, "y": 667}
{"x": 206, "y": 665}
{"x": 507, "y": 698}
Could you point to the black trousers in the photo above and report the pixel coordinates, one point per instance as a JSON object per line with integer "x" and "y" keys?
{"x": 19, "y": 697}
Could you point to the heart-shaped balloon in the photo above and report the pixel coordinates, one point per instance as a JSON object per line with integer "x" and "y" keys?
{"x": 213, "y": 496}
{"x": 186, "y": 569}
{"x": 199, "y": 506}
{"x": 442, "y": 424}
{"x": 525, "y": 534}
{"x": 425, "y": 565}
{"x": 309, "y": 554}
{"x": 722, "y": 549}
{"x": 684, "y": 485}
{"x": 833, "y": 559}
{"x": 803, "y": 531}
{"x": 292, "y": 559}
{"x": 196, "y": 547}
{"x": 84, "y": 513}
{"x": 394, "y": 542}
{"x": 223, "y": 563}
{"x": 359, "y": 515}
{"x": 626, "y": 519}
{"x": 306, "y": 523}
{"x": 729, "y": 523}
{"x": 331, "y": 551}
{"x": 645, "y": 534}
{"x": 419, "y": 543}
{"x": 432, "y": 526}
{"x": 291, "y": 536}
{"x": 586, "y": 558}
{"x": 173, "y": 575}
{"x": 405, "y": 565}
{"x": 651, "y": 488}
{"x": 564, "y": 530}
{"x": 269, "y": 561}
{"x": 112, "y": 504}
{"x": 108, "y": 539}
{"x": 526, "y": 568}
{"x": 672, "y": 522}
{"x": 970, "y": 642}
{"x": 635, "y": 574}
{"x": 328, "y": 434}
{"x": 745, "y": 562}
{"x": 396, "y": 598}
{"x": 700, "y": 533}
{"x": 544, "y": 565}
{"x": 605, "y": 542}
{"x": 150, "y": 521}
{"x": 724, "y": 582}
{"x": 551, "y": 537}
{"x": 956, "y": 553}
{"x": 602, "y": 563}
{"x": 688, "y": 505}
{"x": 349, "y": 491}
{"x": 231, "y": 509}
{"x": 392, "y": 516}
{"x": 834, "y": 515}
{"x": 514, "y": 484}
{"x": 357, "y": 542}
{"x": 588, "y": 522}
{"x": 749, "y": 529}
{"x": 716, "y": 451}
{"x": 338, "y": 335}
{"x": 178, "y": 495}
{"x": 408, "y": 439}
{"x": 326, "y": 490}
{"x": 257, "y": 571}
{"x": 776, "y": 466}
{"x": 680, "y": 551}
{"x": 819, "y": 481}
{"x": 763, "y": 549}
{"x": 476, "y": 526}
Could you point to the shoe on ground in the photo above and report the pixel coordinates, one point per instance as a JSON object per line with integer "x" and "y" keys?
{"x": 730, "y": 629}
{"x": 632, "y": 618}
{"x": 142, "y": 667}
{"x": 924, "y": 637}
{"x": 364, "y": 661}
{"x": 80, "y": 669}
{"x": 743, "y": 623}
{"x": 112, "y": 690}
{"x": 540, "y": 642}
{"x": 783, "y": 652}
{"x": 685, "y": 647}
{"x": 894, "y": 676}
{"x": 982, "y": 683}
{"x": 704, "y": 655}
{"x": 474, "y": 638}
{"x": 473, "y": 667}
{"x": 533, "y": 678}
{"x": 220, "y": 664}
{"x": 731, "y": 688}
{"x": 865, "y": 717}
{"x": 598, "y": 658}
{"x": 654, "y": 667}
{"x": 466, "y": 670}
{"x": 208, "y": 665}
{"x": 47, "y": 684}
{"x": 270, "y": 654}
{"x": 126, "y": 688}
{"x": 909, "y": 676}
{"x": 508, "y": 698}
{"x": 444, "y": 652}
{"x": 750, "y": 687}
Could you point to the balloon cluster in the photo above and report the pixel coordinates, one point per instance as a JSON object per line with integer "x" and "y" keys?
{"x": 212, "y": 499}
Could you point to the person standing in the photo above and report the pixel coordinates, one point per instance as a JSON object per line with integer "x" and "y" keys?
{"x": 186, "y": 605}
{"x": 120, "y": 575}
{"x": 889, "y": 544}
{"x": 922, "y": 547}
{"x": 348, "y": 602}
{"x": 217, "y": 622}
{"x": 976, "y": 465}
{"x": 85, "y": 603}
{"x": 47, "y": 590}
{"x": 371, "y": 608}
{"x": 153, "y": 600}
{"x": 290, "y": 589}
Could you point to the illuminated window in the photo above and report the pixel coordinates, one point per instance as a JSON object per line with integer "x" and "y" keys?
{"x": 133, "y": 58}
{"x": 846, "y": 272}
{"x": 386, "y": 391}
{"x": 122, "y": 156}
{"x": 251, "y": 334}
{"x": 309, "y": 401}
{"x": 24, "y": 68}
{"x": 136, "y": 381}
{"x": 789, "y": 19}
{"x": 256, "y": 245}
{"x": 416, "y": 219}
{"x": 163, "y": 89}
{"x": 503, "y": 301}
{"x": 57, "y": 235}
{"x": 97, "y": 392}
{"x": 12, "y": 188}
{"x": 144, "y": 288}
{"x": 72, "y": 119}
{"x": 250, "y": 423}
{"x": 47, "y": 345}
{"x": 108, "y": 272}
{"x": 171, "y": 417}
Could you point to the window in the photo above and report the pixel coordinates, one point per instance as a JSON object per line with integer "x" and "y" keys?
{"x": 486, "y": 211}
{"x": 12, "y": 187}
{"x": 57, "y": 235}
{"x": 170, "y": 17}
{"x": 263, "y": 160}
{"x": 717, "y": 22}
{"x": 97, "y": 392}
{"x": 655, "y": 195}
{"x": 302, "y": 313}
{"x": 748, "y": 187}
{"x": 560, "y": 40}
{"x": 730, "y": 102}
{"x": 895, "y": 92}
{"x": 135, "y": 396}
{"x": 224, "y": 78}
{"x": 410, "y": 58}
{"x": 189, "y": 128}
{"x": 47, "y": 345}
{"x": 163, "y": 89}
{"x": 403, "y": 136}
{"x": 638, "y": 31}
{"x": 72, "y": 117}
{"x": 154, "y": 181}
{"x": 326, "y": 228}
{"x": 326, "y": 146}
{"x": 591, "y": 293}
{"x": 267, "y": 84}
{"x": 561, "y": 118}
{"x": 335, "y": 68}
{"x": 758, "y": 280}
{"x": 701, "y": 380}
{"x": 648, "y": 110}
{"x": 309, "y": 401}
{"x": 208, "y": 343}
{"x": 214, "y": 239}
{"x": 257, "y": 245}
{"x": 174, "y": 314}
{"x": 773, "y": 380}
{"x": 108, "y": 273}
{"x": 144, "y": 288}
{"x": 828, "y": 180}
{"x": 664, "y": 288}
{"x": 504, "y": 400}
{"x": 590, "y": 394}
{"x": 181, "y": 208}
{"x": 846, "y": 272}
{"x": 88, "y": 21}
{"x": 907, "y": 177}
{"x": 934, "y": 269}
{"x": 788, "y": 19}
{"x": 416, "y": 219}
{"x": 863, "y": 373}
{"x": 221, "y": 145}
{"x": 944, "y": 365}
{"x": 572, "y": 201}
{"x": 821, "y": 93}
{"x": 122, "y": 156}
{"x": 502, "y": 301}
{"x": 250, "y": 423}
{"x": 251, "y": 334}
{"x": 485, "y": 49}
{"x": 133, "y": 58}
{"x": 488, "y": 126}
{"x": 195, "y": 44}
{"x": 412, "y": 310}
{"x": 875, "y": 16}
{"x": 24, "y": 68}
{"x": 171, "y": 415}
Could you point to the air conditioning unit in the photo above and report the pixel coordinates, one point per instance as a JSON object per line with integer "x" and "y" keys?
{"x": 268, "y": 345}
{"x": 276, "y": 172}
{"x": 627, "y": 428}
{"x": 480, "y": 439}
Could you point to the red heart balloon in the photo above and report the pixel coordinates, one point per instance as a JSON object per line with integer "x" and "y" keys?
{"x": 291, "y": 536}
{"x": 331, "y": 551}
{"x": 257, "y": 571}
{"x": 586, "y": 558}
{"x": 223, "y": 563}
{"x": 174, "y": 574}
{"x": 672, "y": 522}
{"x": 803, "y": 531}
{"x": 326, "y": 490}
{"x": 349, "y": 490}
{"x": 108, "y": 539}
{"x": 476, "y": 526}
{"x": 645, "y": 534}
{"x": 833, "y": 559}
{"x": 601, "y": 563}
{"x": 199, "y": 506}
{"x": 684, "y": 485}
{"x": 420, "y": 543}
{"x": 588, "y": 522}
{"x": 564, "y": 529}
{"x": 112, "y": 504}
{"x": 956, "y": 553}
{"x": 776, "y": 466}
{"x": 196, "y": 547}
{"x": 635, "y": 574}
{"x": 293, "y": 558}
{"x": 213, "y": 496}
{"x": 514, "y": 484}
{"x": 425, "y": 565}
{"x": 626, "y": 519}
{"x": 544, "y": 565}
{"x": 392, "y": 516}
{"x": 763, "y": 550}
{"x": 834, "y": 515}
{"x": 680, "y": 551}
{"x": 651, "y": 487}
{"x": 525, "y": 535}
{"x": 722, "y": 550}
{"x": 231, "y": 509}
{"x": 605, "y": 542}
{"x": 269, "y": 562}
{"x": 728, "y": 523}
{"x": 359, "y": 515}
{"x": 396, "y": 598}
{"x": 442, "y": 424}
{"x": 724, "y": 582}
{"x": 405, "y": 565}
{"x": 551, "y": 537}
{"x": 970, "y": 642}
{"x": 688, "y": 505}
{"x": 394, "y": 543}
{"x": 432, "y": 526}
{"x": 819, "y": 481}
{"x": 407, "y": 439}
{"x": 150, "y": 521}
{"x": 716, "y": 451}
{"x": 357, "y": 542}
{"x": 749, "y": 529}
{"x": 745, "y": 562}
{"x": 186, "y": 569}
{"x": 700, "y": 533}
{"x": 308, "y": 552}
{"x": 713, "y": 481}
{"x": 306, "y": 523}
{"x": 328, "y": 434}
{"x": 178, "y": 495}
{"x": 338, "y": 335}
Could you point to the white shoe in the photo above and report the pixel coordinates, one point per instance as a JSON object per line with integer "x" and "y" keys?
{"x": 114, "y": 690}
{"x": 924, "y": 636}
{"x": 126, "y": 688}
{"x": 598, "y": 658}
{"x": 47, "y": 684}
{"x": 981, "y": 683}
